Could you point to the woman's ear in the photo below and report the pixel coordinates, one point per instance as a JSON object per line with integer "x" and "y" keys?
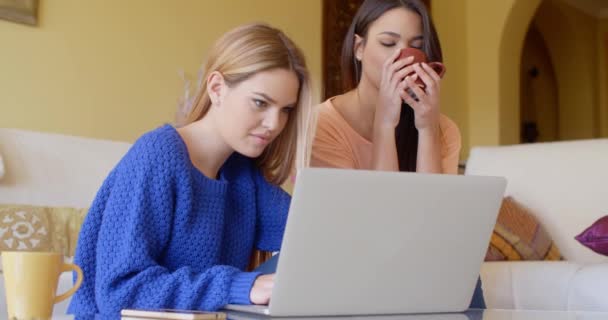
{"x": 358, "y": 47}
{"x": 215, "y": 87}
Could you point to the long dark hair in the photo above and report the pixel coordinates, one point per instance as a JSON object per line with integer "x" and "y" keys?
{"x": 406, "y": 133}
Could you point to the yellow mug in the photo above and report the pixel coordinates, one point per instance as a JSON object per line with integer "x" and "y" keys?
{"x": 30, "y": 280}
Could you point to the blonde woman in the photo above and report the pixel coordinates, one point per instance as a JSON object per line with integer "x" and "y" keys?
{"x": 175, "y": 223}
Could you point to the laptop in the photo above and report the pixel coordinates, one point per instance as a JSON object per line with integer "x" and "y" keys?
{"x": 370, "y": 242}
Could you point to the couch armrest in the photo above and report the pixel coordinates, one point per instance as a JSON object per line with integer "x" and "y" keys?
{"x": 539, "y": 285}
{"x": 589, "y": 290}
{"x": 1, "y": 167}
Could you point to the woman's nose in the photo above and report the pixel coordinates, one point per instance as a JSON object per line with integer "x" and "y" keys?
{"x": 271, "y": 120}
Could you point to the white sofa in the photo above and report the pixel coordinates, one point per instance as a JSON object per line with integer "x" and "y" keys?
{"x": 565, "y": 184}
{"x": 53, "y": 170}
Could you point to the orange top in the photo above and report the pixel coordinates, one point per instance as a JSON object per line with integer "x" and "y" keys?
{"x": 338, "y": 145}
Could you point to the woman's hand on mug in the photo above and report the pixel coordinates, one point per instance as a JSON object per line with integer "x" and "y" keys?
{"x": 388, "y": 108}
{"x": 426, "y": 103}
{"x": 262, "y": 289}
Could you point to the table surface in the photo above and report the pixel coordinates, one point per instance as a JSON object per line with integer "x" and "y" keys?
{"x": 489, "y": 314}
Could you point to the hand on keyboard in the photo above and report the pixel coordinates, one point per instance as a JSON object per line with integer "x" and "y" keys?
{"x": 262, "y": 289}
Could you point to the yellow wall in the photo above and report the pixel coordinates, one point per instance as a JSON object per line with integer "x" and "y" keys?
{"x": 570, "y": 36}
{"x": 483, "y": 42}
{"x": 538, "y": 103}
{"x": 486, "y": 21}
{"x": 602, "y": 76}
{"x": 473, "y": 37}
{"x": 512, "y": 39}
{"x": 454, "y": 87}
{"x": 109, "y": 68}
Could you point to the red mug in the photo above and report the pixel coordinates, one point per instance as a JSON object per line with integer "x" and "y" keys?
{"x": 419, "y": 57}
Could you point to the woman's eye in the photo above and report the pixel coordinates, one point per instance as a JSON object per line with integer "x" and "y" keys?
{"x": 288, "y": 110}
{"x": 260, "y": 103}
{"x": 387, "y": 44}
{"x": 417, "y": 45}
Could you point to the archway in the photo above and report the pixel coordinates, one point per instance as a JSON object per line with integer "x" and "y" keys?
{"x": 539, "y": 112}
{"x": 511, "y": 44}
{"x": 571, "y": 48}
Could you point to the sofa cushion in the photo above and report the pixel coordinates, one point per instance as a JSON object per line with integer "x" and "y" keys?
{"x": 588, "y": 289}
{"x": 562, "y": 183}
{"x": 36, "y": 228}
{"x": 1, "y": 167}
{"x": 595, "y": 237}
{"x": 530, "y": 285}
{"x": 48, "y": 169}
{"x": 545, "y": 285}
{"x": 24, "y": 229}
{"x": 518, "y": 235}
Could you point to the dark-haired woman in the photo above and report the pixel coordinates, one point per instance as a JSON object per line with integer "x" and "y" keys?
{"x": 384, "y": 120}
{"x": 376, "y": 124}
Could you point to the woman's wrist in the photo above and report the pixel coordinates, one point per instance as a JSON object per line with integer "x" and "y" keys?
{"x": 430, "y": 130}
{"x": 385, "y": 118}
{"x": 383, "y": 129}
{"x": 240, "y": 287}
{"x": 430, "y": 133}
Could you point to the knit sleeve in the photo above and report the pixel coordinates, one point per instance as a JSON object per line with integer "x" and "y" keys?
{"x": 135, "y": 231}
{"x": 272, "y": 208}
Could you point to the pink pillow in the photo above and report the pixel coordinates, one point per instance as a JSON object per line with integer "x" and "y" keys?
{"x": 596, "y": 236}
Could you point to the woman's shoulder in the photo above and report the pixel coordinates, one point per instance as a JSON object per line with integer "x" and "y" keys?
{"x": 159, "y": 147}
{"x": 330, "y": 121}
{"x": 449, "y": 129}
{"x": 327, "y": 112}
{"x": 165, "y": 136}
{"x": 448, "y": 125}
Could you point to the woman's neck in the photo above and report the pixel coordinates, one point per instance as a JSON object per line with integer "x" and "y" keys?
{"x": 207, "y": 149}
{"x": 358, "y": 107}
{"x": 367, "y": 95}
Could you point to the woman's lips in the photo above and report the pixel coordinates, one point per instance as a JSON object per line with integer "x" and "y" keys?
{"x": 261, "y": 139}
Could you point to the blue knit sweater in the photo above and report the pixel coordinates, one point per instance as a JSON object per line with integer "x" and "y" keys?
{"x": 160, "y": 234}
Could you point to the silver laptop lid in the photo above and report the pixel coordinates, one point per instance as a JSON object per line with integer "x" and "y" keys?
{"x": 369, "y": 242}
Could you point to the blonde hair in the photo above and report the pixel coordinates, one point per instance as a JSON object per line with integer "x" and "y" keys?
{"x": 238, "y": 55}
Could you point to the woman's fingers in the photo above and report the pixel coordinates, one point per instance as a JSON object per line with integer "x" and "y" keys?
{"x": 262, "y": 289}
{"x": 428, "y": 81}
{"x": 396, "y": 68}
{"x": 399, "y": 75}
{"x": 405, "y": 92}
{"x": 392, "y": 58}
{"x": 420, "y": 94}
{"x": 387, "y": 65}
{"x": 431, "y": 72}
